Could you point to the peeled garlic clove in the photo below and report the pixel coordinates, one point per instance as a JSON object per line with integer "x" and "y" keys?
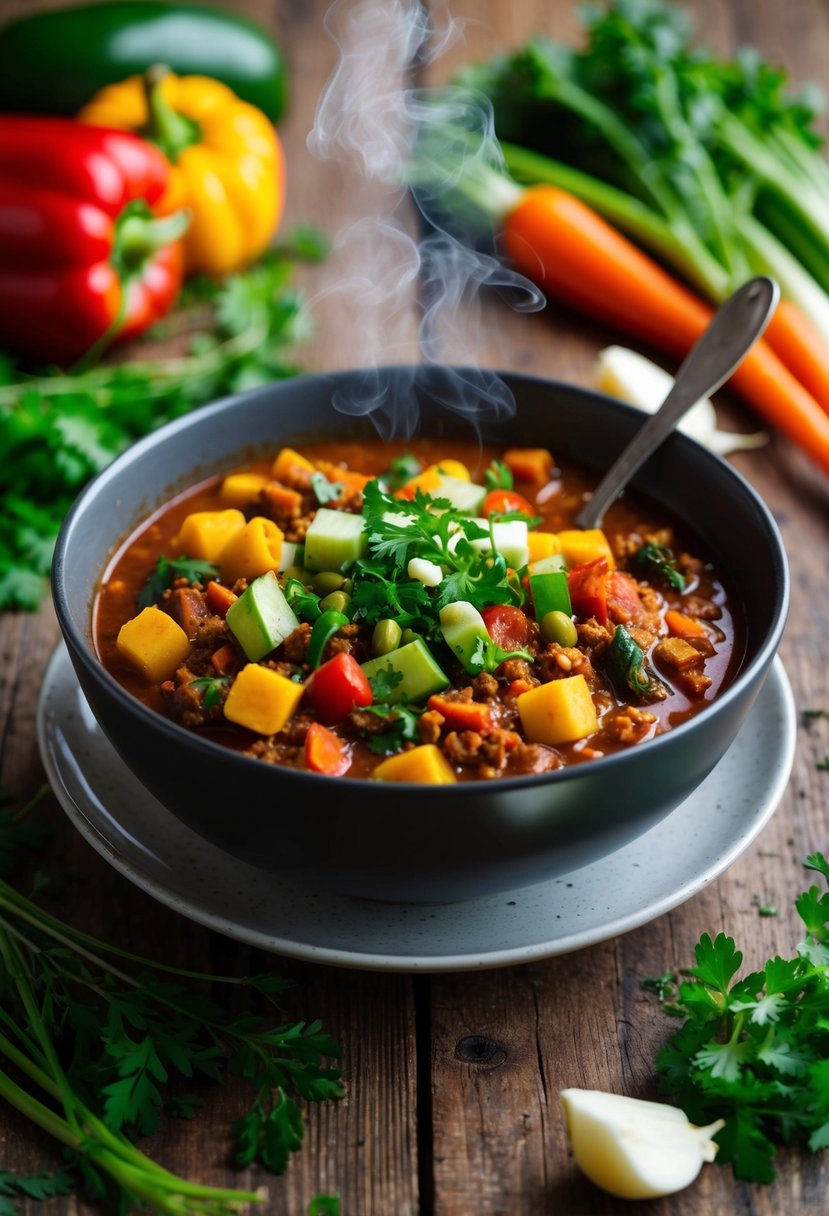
{"x": 635, "y": 1149}
{"x": 624, "y": 373}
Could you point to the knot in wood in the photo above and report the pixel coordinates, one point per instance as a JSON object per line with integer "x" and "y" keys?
{"x": 481, "y": 1049}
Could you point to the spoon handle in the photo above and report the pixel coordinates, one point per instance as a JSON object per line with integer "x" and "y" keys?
{"x": 732, "y": 330}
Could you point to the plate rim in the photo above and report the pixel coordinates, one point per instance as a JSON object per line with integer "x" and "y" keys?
{"x": 60, "y": 663}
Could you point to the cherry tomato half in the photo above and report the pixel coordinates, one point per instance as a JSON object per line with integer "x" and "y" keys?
{"x": 505, "y": 502}
{"x": 508, "y": 626}
{"x": 337, "y": 687}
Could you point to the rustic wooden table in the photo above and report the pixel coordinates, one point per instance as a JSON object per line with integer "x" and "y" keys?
{"x": 453, "y": 1077}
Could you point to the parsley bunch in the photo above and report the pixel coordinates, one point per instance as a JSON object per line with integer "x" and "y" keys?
{"x": 755, "y": 1051}
{"x": 59, "y": 430}
{"x": 90, "y": 1034}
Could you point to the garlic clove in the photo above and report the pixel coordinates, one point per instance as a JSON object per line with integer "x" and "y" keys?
{"x": 632, "y": 1148}
{"x": 630, "y": 376}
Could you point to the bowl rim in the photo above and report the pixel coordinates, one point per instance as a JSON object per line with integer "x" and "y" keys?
{"x": 202, "y": 415}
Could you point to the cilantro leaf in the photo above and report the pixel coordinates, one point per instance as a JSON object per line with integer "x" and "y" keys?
{"x": 167, "y": 570}
{"x": 325, "y": 490}
{"x": 661, "y": 559}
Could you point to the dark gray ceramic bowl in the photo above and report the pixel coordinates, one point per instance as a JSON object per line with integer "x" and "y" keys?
{"x": 410, "y": 842}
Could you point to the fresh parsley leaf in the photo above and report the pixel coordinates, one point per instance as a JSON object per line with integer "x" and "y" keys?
{"x": 383, "y": 683}
{"x": 754, "y": 1051}
{"x": 498, "y": 476}
{"x": 212, "y": 686}
{"x": 661, "y": 559}
{"x": 402, "y": 723}
{"x": 401, "y": 469}
{"x": 167, "y": 570}
{"x": 325, "y": 490}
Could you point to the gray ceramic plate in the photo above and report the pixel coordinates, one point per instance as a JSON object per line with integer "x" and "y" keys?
{"x": 658, "y": 871}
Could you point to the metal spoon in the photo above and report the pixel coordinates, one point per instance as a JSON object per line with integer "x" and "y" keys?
{"x": 735, "y": 326}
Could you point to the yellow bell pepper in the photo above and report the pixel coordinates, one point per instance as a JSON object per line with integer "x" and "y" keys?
{"x": 227, "y": 161}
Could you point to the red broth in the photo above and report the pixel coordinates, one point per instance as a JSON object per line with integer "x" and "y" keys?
{"x": 480, "y": 725}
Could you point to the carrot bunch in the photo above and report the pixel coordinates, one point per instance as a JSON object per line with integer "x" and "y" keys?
{"x": 572, "y": 253}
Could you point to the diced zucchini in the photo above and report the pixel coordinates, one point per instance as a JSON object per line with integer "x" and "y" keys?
{"x": 510, "y": 537}
{"x": 261, "y": 618}
{"x": 544, "y": 565}
{"x": 549, "y": 593}
{"x": 465, "y": 633}
{"x": 288, "y": 556}
{"x": 464, "y": 495}
{"x": 415, "y": 663}
{"x": 334, "y": 540}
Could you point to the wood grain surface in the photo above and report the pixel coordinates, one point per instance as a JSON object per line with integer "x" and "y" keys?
{"x": 453, "y": 1079}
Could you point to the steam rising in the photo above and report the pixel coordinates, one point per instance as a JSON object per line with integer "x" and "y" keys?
{"x": 369, "y": 121}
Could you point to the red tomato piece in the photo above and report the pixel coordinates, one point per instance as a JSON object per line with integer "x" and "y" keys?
{"x": 623, "y": 602}
{"x": 324, "y": 752}
{"x": 505, "y": 502}
{"x": 508, "y": 626}
{"x": 588, "y": 584}
{"x": 337, "y": 687}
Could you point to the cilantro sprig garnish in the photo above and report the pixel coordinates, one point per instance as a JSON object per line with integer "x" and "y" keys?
{"x": 754, "y": 1051}
{"x": 90, "y": 1033}
{"x": 167, "y": 570}
{"x": 432, "y": 529}
{"x": 211, "y": 687}
{"x": 660, "y": 559}
{"x": 325, "y": 490}
{"x": 498, "y": 476}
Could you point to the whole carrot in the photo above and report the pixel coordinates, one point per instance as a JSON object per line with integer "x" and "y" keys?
{"x": 572, "y": 253}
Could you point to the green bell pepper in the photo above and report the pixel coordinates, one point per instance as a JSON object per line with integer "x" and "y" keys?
{"x": 55, "y": 60}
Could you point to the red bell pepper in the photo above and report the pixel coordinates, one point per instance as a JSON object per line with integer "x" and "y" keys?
{"x": 337, "y": 687}
{"x": 83, "y": 260}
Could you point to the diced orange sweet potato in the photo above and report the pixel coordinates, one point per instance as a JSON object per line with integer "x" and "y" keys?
{"x": 529, "y": 464}
{"x": 153, "y": 643}
{"x": 282, "y": 499}
{"x": 584, "y": 545}
{"x": 253, "y": 550}
{"x": 203, "y": 534}
{"x": 542, "y": 544}
{"x": 240, "y": 489}
{"x": 291, "y": 467}
{"x": 426, "y": 765}
{"x": 561, "y": 711}
{"x": 262, "y": 699}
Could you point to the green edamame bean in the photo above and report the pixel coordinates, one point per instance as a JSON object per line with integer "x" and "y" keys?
{"x": 337, "y": 601}
{"x": 297, "y": 572}
{"x": 558, "y": 627}
{"x": 408, "y": 635}
{"x": 327, "y": 581}
{"x": 386, "y": 637}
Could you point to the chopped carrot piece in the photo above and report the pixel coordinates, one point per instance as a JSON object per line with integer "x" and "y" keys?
{"x": 282, "y": 499}
{"x": 224, "y": 659}
{"x": 348, "y": 477}
{"x": 291, "y": 467}
{"x": 219, "y": 598}
{"x": 517, "y": 687}
{"x": 682, "y": 626}
{"x": 462, "y": 715}
{"x": 529, "y": 464}
{"x": 324, "y": 752}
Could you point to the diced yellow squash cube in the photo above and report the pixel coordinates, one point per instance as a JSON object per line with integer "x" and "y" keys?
{"x": 426, "y": 765}
{"x": 204, "y": 534}
{"x": 262, "y": 699}
{"x": 558, "y": 712}
{"x": 252, "y": 551}
{"x": 542, "y": 544}
{"x": 452, "y": 468}
{"x": 153, "y": 643}
{"x": 240, "y": 489}
{"x": 585, "y": 545}
{"x": 290, "y": 464}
